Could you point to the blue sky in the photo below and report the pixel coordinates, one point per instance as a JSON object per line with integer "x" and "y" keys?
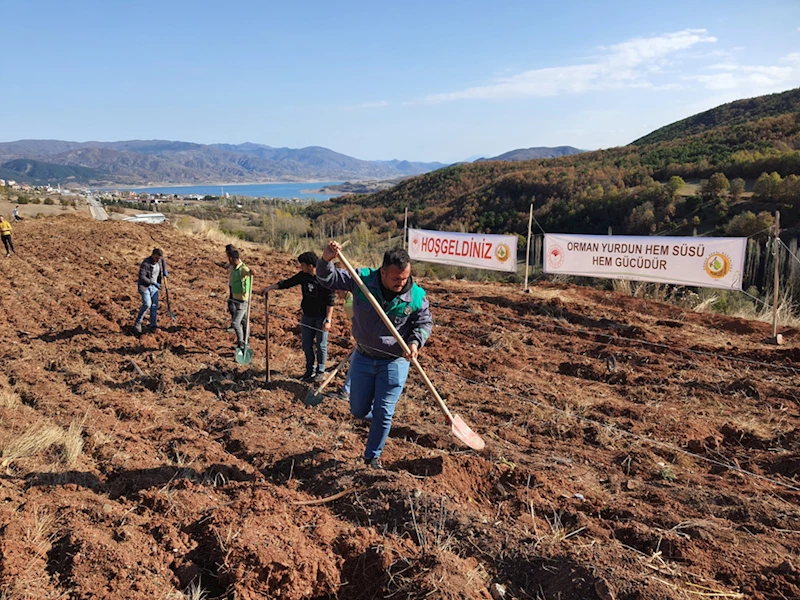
{"x": 416, "y": 80}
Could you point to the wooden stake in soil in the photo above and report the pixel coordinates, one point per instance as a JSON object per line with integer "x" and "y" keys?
{"x": 528, "y": 251}
{"x": 777, "y": 276}
{"x": 266, "y": 336}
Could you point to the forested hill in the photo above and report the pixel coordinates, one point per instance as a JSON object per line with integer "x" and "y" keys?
{"x": 635, "y": 189}
{"x": 729, "y": 116}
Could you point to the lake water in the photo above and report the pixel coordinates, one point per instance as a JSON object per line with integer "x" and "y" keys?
{"x": 256, "y": 190}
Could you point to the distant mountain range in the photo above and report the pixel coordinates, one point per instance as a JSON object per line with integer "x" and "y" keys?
{"x": 533, "y": 153}
{"x": 143, "y": 162}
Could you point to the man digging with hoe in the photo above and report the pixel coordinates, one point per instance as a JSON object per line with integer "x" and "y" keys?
{"x": 379, "y": 366}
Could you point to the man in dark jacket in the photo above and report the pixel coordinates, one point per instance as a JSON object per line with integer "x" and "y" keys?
{"x": 379, "y": 367}
{"x": 151, "y": 272}
{"x": 317, "y": 306}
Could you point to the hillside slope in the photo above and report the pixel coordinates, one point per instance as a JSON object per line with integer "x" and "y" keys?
{"x": 728, "y": 115}
{"x": 193, "y": 471}
{"x": 534, "y": 153}
{"x": 591, "y": 191}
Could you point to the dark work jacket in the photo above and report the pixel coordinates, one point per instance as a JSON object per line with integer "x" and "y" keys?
{"x": 316, "y": 299}
{"x": 150, "y": 272}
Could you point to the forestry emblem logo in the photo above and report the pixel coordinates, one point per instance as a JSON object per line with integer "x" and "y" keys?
{"x": 718, "y": 265}
{"x": 555, "y": 256}
{"x": 502, "y": 253}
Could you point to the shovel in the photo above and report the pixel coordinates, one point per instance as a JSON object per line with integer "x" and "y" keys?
{"x": 245, "y": 355}
{"x": 457, "y": 425}
{"x": 313, "y": 398}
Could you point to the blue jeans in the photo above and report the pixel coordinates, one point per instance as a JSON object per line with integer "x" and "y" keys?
{"x": 349, "y": 379}
{"x": 311, "y": 330}
{"x": 149, "y": 301}
{"x": 376, "y": 387}
{"x": 348, "y": 382}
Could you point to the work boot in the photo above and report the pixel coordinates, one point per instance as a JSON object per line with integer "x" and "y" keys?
{"x": 319, "y": 377}
{"x": 137, "y": 327}
{"x": 307, "y": 377}
{"x": 373, "y": 463}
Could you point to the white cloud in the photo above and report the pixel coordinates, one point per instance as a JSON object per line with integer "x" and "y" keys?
{"x": 365, "y": 105}
{"x": 623, "y": 65}
{"x": 760, "y": 79}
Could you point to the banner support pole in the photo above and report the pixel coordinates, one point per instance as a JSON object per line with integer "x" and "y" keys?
{"x": 405, "y": 231}
{"x": 776, "y": 338}
{"x": 528, "y": 249}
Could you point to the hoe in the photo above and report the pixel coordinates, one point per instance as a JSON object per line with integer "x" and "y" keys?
{"x": 315, "y": 397}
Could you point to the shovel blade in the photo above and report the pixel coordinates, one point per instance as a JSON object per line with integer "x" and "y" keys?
{"x": 312, "y": 398}
{"x": 462, "y": 431}
{"x": 243, "y": 357}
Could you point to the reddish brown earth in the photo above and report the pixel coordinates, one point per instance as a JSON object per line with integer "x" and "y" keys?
{"x": 598, "y": 411}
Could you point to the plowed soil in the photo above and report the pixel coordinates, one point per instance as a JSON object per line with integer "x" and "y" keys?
{"x": 634, "y": 450}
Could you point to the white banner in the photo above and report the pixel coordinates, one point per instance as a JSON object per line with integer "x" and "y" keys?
{"x": 702, "y": 262}
{"x": 496, "y": 252}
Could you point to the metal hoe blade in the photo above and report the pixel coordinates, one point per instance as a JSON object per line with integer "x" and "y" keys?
{"x": 462, "y": 431}
{"x": 312, "y": 398}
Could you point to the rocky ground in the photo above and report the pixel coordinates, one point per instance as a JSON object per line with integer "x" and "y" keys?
{"x": 634, "y": 450}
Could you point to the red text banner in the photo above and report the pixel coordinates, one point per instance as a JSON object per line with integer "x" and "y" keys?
{"x": 496, "y": 252}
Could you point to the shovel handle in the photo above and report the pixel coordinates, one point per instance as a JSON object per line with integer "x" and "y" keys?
{"x": 169, "y": 306}
{"x": 393, "y": 330}
{"x": 249, "y": 302}
{"x": 333, "y": 373}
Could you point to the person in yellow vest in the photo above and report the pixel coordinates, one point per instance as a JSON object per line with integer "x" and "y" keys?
{"x": 5, "y": 233}
{"x": 240, "y": 284}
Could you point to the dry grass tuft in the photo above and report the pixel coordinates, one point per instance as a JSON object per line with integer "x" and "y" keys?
{"x": 37, "y": 535}
{"x": 210, "y": 231}
{"x": 37, "y": 438}
{"x": 73, "y": 443}
{"x": 786, "y": 313}
{"x": 40, "y": 437}
{"x": 705, "y": 305}
{"x": 8, "y": 399}
{"x": 505, "y": 340}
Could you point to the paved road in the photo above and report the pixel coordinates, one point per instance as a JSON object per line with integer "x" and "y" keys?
{"x": 98, "y": 212}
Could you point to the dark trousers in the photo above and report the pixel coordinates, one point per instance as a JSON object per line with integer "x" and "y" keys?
{"x": 9, "y": 245}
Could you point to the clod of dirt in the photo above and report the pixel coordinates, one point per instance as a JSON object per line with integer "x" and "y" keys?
{"x": 498, "y": 591}
{"x": 786, "y": 568}
{"x": 603, "y": 590}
